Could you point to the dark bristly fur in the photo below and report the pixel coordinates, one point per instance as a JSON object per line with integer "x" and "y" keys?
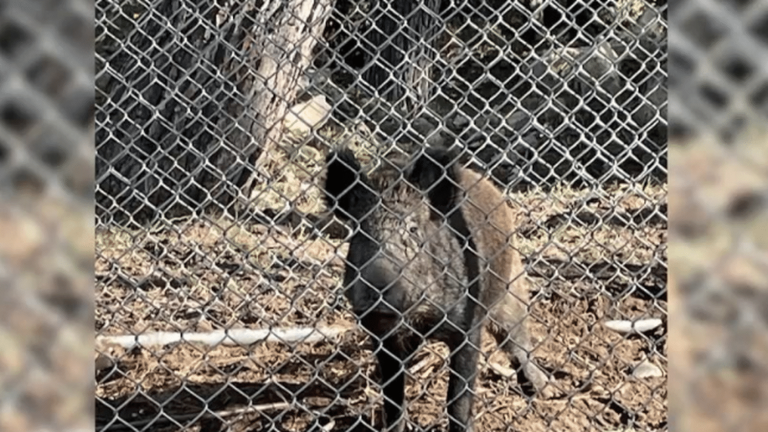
{"x": 431, "y": 251}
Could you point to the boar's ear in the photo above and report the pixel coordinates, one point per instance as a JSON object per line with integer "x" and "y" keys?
{"x": 436, "y": 172}
{"x": 347, "y": 190}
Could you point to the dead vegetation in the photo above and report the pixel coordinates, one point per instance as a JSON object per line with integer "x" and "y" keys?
{"x": 718, "y": 287}
{"x": 594, "y": 255}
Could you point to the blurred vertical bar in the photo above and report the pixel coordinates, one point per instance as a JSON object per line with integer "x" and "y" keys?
{"x": 718, "y": 233}
{"x": 46, "y": 222}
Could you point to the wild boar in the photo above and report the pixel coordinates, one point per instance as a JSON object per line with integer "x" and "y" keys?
{"x": 430, "y": 258}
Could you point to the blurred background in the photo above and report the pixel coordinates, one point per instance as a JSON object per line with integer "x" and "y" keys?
{"x": 718, "y": 282}
{"x": 719, "y": 304}
{"x": 46, "y": 216}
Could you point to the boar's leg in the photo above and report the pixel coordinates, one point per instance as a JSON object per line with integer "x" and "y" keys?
{"x": 508, "y": 328}
{"x": 465, "y": 353}
{"x": 392, "y": 370}
{"x": 392, "y": 352}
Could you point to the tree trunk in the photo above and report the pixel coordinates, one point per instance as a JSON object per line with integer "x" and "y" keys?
{"x": 403, "y": 66}
{"x": 181, "y": 118}
{"x": 284, "y": 56}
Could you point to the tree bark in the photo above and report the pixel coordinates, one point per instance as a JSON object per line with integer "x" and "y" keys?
{"x": 402, "y": 66}
{"x": 284, "y": 56}
{"x": 181, "y": 118}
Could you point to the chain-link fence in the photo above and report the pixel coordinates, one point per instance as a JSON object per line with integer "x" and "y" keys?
{"x": 246, "y": 281}
{"x": 46, "y": 190}
{"x": 718, "y": 109}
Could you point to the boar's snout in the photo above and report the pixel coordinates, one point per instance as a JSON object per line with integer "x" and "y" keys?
{"x": 377, "y": 290}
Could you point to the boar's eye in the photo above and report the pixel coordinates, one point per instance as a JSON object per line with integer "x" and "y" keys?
{"x": 413, "y": 229}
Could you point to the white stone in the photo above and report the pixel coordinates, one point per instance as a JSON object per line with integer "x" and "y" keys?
{"x": 646, "y": 369}
{"x": 639, "y": 326}
{"x": 301, "y": 118}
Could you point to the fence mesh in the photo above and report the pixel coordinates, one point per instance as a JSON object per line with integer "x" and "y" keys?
{"x": 225, "y": 288}
{"x": 46, "y": 189}
{"x": 718, "y": 112}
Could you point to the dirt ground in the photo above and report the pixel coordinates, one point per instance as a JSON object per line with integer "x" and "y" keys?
{"x": 593, "y": 256}
{"x": 719, "y": 287}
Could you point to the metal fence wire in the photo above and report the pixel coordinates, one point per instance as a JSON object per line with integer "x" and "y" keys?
{"x": 718, "y": 112}
{"x": 275, "y": 248}
{"x": 46, "y": 191}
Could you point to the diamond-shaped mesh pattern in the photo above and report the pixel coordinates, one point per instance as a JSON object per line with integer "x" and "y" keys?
{"x": 246, "y": 280}
{"x": 718, "y": 109}
{"x": 46, "y": 219}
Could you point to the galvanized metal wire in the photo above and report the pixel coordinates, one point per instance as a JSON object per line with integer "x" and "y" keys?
{"x": 717, "y": 113}
{"x": 211, "y": 227}
{"x": 46, "y": 189}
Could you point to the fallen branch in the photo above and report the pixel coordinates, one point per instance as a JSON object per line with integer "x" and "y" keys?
{"x": 418, "y": 367}
{"x": 232, "y": 337}
{"x": 502, "y": 370}
{"x": 550, "y": 268}
{"x": 141, "y": 410}
{"x": 652, "y": 215}
{"x": 181, "y": 418}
